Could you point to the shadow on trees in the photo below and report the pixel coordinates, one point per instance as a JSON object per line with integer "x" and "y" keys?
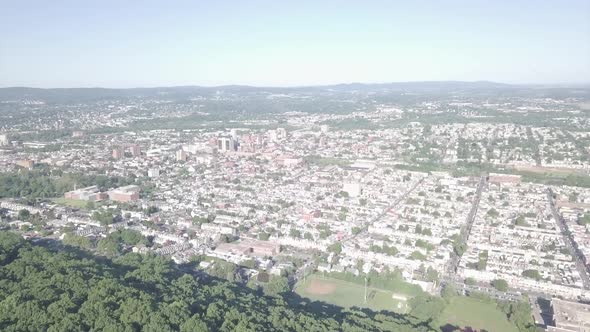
{"x": 155, "y": 274}
{"x": 322, "y": 310}
{"x": 455, "y": 328}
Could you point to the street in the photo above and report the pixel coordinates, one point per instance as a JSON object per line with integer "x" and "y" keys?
{"x": 454, "y": 262}
{"x": 567, "y": 237}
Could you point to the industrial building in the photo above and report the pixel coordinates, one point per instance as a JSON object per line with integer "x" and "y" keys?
{"x": 569, "y": 316}
{"x": 91, "y": 193}
{"x": 125, "y": 194}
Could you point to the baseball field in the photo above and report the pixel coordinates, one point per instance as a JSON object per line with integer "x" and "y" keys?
{"x": 347, "y": 294}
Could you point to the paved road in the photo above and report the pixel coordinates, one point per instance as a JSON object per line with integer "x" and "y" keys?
{"x": 569, "y": 241}
{"x": 454, "y": 262}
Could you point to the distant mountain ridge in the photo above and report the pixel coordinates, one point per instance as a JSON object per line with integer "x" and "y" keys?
{"x": 93, "y": 93}
{"x": 352, "y": 85}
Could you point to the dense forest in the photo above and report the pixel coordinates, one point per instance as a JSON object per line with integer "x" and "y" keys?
{"x": 43, "y": 288}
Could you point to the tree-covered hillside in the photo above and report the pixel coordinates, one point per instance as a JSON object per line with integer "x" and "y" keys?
{"x": 45, "y": 289}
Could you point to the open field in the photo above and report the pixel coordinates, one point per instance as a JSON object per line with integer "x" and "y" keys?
{"x": 347, "y": 294}
{"x": 549, "y": 170}
{"x": 327, "y": 161}
{"x": 470, "y": 312}
{"x": 75, "y": 203}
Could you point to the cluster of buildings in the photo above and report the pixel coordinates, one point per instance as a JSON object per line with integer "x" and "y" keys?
{"x": 349, "y": 191}
{"x": 124, "y": 194}
{"x": 573, "y": 204}
{"x": 271, "y": 186}
{"x": 248, "y": 143}
{"x": 119, "y": 151}
{"x": 515, "y": 237}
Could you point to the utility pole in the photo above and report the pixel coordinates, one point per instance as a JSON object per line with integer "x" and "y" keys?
{"x": 304, "y": 275}
{"x": 365, "y": 289}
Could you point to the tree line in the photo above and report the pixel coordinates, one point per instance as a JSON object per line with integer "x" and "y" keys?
{"x": 43, "y": 289}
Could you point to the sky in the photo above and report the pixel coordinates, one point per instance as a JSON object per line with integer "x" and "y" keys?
{"x": 123, "y": 44}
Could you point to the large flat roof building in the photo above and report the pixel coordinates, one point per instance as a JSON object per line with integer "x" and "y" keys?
{"x": 25, "y": 163}
{"x": 570, "y": 316}
{"x": 251, "y": 247}
{"x": 91, "y": 193}
{"x": 125, "y": 194}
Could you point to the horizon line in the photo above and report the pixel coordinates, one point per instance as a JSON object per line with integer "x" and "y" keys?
{"x": 556, "y": 84}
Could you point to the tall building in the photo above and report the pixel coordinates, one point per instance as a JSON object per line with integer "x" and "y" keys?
{"x": 153, "y": 172}
{"x": 4, "y": 140}
{"x": 180, "y": 155}
{"x": 118, "y": 152}
{"x": 234, "y": 134}
{"x": 259, "y": 139}
{"x": 225, "y": 144}
{"x": 135, "y": 150}
{"x": 281, "y": 133}
{"x": 273, "y": 136}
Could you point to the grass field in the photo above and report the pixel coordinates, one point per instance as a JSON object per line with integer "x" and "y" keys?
{"x": 346, "y": 294}
{"x": 549, "y": 171}
{"x": 75, "y": 203}
{"x": 327, "y": 161}
{"x": 470, "y": 312}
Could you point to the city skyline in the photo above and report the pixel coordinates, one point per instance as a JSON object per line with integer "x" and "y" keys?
{"x": 401, "y": 199}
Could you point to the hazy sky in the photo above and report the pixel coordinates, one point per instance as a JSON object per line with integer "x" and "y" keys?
{"x": 161, "y": 43}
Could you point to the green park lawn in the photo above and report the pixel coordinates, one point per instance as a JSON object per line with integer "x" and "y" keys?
{"x": 471, "y": 312}
{"x": 75, "y": 203}
{"x": 346, "y": 294}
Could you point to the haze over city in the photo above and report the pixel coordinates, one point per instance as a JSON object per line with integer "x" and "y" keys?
{"x": 278, "y": 43}
{"x": 408, "y": 166}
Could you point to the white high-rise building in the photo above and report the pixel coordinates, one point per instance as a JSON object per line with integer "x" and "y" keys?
{"x": 180, "y": 155}
{"x": 225, "y": 144}
{"x": 281, "y": 133}
{"x": 272, "y": 135}
{"x": 153, "y": 172}
{"x": 4, "y": 140}
{"x": 234, "y": 134}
